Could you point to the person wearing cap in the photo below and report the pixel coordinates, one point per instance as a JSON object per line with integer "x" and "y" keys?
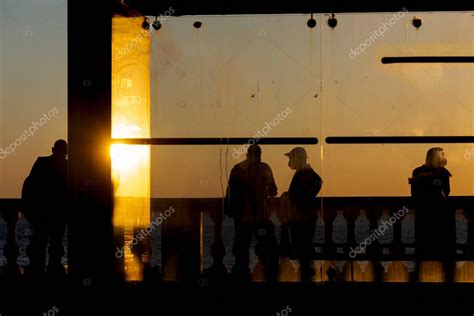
{"x": 44, "y": 196}
{"x": 304, "y": 187}
{"x": 250, "y": 186}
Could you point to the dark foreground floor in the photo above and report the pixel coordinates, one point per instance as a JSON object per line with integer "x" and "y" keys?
{"x": 20, "y": 297}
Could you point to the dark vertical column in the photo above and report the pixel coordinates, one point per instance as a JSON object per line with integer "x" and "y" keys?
{"x": 181, "y": 242}
{"x": 89, "y": 127}
{"x": 218, "y": 270}
{"x": 11, "y": 250}
{"x": 468, "y": 205}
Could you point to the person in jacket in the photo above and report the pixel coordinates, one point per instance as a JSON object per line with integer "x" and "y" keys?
{"x": 304, "y": 187}
{"x": 250, "y": 186}
{"x": 435, "y": 230}
{"x": 44, "y": 198}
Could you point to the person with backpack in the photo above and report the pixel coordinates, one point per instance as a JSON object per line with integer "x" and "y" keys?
{"x": 435, "y": 226}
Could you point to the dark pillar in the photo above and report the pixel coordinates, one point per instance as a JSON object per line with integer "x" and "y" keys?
{"x": 218, "y": 271}
{"x": 91, "y": 252}
{"x": 11, "y": 250}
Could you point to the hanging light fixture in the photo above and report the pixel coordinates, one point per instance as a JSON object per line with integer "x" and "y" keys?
{"x": 157, "y": 24}
{"x": 145, "y": 24}
{"x": 311, "y": 22}
{"x": 332, "y": 22}
{"x": 417, "y": 22}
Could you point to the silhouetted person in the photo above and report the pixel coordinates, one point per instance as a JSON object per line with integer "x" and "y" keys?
{"x": 44, "y": 195}
{"x": 304, "y": 187}
{"x": 251, "y": 183}
{"x": 435, "y": 230}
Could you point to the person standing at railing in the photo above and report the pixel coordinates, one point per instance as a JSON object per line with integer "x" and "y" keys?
{"x": 250, "y": 184}
{"x": 300, "y": 204}
{"x": 435, "y": 230}
{"x": 44, "y": 197}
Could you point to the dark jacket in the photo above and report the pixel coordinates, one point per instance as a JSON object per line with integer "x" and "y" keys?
{"x": 435, "y": 227}
{"x": 430, "y": 183}
{"x": 250, "y": 184}
{"x": 45, "y": 189}
{"x": 304, "y": 187}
